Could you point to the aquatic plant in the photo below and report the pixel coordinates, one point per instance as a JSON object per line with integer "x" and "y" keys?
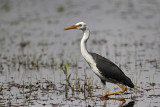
{"x": 64, "y": 68}
{"x": 60, "y": 9}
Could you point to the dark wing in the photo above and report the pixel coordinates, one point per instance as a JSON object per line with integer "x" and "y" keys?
{"x": 111, "y": 71}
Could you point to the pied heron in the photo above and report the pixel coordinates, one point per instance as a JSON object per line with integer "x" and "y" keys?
{"x": 106, "y": 70}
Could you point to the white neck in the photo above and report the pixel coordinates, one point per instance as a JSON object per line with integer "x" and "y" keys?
{"x": 84, "y": 41}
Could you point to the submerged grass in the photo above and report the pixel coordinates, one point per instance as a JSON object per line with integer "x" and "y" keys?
{"x": 30, "y": 62}
{"x": 60, "y": 9}
{"x": 76, "y": 85}
{"x": 5, "y": 5}
{"x": 1, "y": 87}
{"x": 27, "y": 61}
{"x": 80, "y": 87}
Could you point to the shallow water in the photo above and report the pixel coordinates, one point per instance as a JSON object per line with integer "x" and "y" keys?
{"x": 33, "y": 44}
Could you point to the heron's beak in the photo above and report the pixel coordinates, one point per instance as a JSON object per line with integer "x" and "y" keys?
{"x": 72, "y": 27}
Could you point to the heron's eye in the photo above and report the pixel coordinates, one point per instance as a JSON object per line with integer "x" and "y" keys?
{"x": 80, "y": 25}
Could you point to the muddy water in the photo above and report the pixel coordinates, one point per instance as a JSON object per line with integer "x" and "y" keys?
{"x": 33, "y": 45}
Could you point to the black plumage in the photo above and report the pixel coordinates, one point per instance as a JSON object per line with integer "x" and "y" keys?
{"x": 110, "y": 71}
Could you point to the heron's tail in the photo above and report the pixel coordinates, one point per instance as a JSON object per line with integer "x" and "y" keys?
{"x": 129, "y": 83}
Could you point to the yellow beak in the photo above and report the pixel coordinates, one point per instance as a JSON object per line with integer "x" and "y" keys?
{"x": 72, "y": 27}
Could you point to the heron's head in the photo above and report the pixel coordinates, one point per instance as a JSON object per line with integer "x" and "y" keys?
{"x": 79, "y": 26}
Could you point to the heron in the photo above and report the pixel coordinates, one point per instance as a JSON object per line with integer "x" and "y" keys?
{"x": 106, "y": 70}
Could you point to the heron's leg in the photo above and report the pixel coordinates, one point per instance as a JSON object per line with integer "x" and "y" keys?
{"x": 105, "y": 91}
{"x": 104, "y": 86}
{"x": 123, "y": 90}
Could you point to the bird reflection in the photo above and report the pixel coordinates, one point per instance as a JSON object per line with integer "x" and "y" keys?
{"x": 122, "y": 100}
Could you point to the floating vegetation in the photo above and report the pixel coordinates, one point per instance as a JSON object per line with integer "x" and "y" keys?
{"x": 5, "y": 5}
{"x": 60, "y": 9}
{"x": 15, "y": 22}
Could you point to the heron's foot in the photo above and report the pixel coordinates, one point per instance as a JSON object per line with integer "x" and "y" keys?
{"x": 104, "y": 97}
{"x": 108, "y": 94}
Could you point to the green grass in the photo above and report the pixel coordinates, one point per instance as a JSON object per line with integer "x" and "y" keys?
{"x": 64, "y": 68}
